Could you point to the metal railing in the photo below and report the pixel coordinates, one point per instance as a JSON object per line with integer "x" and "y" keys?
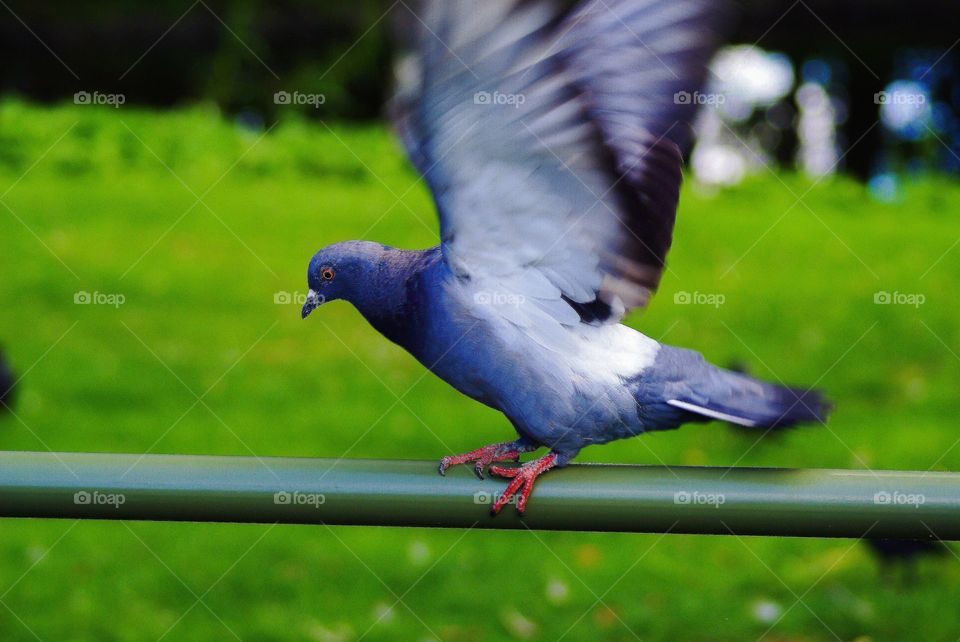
{"x": 745, "y": 501}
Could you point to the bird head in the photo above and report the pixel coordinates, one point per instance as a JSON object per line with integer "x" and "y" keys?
{"x": 340, "y": 271}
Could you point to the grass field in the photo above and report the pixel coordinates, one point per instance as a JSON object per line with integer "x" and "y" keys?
{"x": 106, "y": 201}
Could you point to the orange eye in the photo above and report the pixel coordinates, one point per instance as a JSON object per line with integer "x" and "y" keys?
{"x": 326, "y": 274}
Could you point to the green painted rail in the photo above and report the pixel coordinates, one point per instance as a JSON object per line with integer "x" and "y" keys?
{"x": 745, "y": 501}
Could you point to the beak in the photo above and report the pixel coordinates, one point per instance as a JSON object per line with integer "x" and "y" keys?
{"x": 313, "y": 302}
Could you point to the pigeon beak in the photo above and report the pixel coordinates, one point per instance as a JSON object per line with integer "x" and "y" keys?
{"x": 313, "y": 302}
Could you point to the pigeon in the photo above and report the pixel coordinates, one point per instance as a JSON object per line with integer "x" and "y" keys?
{"x": 890, "y": 551}
{"x": 904, "y": 553}
{"x": 551, "y": 135}
{"x": 7, "y": 384}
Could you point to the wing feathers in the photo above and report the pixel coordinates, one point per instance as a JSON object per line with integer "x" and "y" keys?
{"x": 550, "y": 137}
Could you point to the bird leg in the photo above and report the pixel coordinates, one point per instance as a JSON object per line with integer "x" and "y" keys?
{"x": 506, "y": 451}
{"x": 523, "y": 478}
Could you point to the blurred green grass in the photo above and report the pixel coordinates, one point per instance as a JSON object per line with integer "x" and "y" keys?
{"x": 103, "y": 200}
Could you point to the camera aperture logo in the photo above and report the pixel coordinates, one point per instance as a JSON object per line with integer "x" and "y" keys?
{"x": 896, "y": 498}
{"x": 97, "y": 498}
{"x": 696, "y": 498}
{"x": 699, "y": 298}
{"x": 499, "y": 298}
{"x": 499, "y": 98}
{"x": 286, "y": 298}
{"x": 297, "y": 498}
{"x": 98, "y": 98}
{"x": 698, "y": 98}
{"x": 99, "y": 298}
{"x": 299, "y": 98}
{"x": 899, "y": 98}
{"x": 486, "y": 498}
{"x": 899, "y": 298}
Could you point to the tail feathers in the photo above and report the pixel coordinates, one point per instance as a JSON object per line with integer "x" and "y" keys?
{"x": 742, "y": 400}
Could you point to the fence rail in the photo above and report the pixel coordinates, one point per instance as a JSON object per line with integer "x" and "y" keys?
{"x": 745, "y": 501}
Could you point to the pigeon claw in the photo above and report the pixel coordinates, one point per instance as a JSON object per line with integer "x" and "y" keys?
{"x": 522, "y": 485}
{"x": 482, "y": 457}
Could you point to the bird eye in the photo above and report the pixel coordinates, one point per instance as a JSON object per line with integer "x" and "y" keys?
{"x": 326, "y": 274}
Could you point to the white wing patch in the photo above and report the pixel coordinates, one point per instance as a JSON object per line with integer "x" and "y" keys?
{"x": 549, "y": 331}
{"x": 613, "y": 349}
{"x": 713, "y": 414}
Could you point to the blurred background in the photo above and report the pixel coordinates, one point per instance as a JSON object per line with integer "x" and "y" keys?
{"x": 166, "y": 171}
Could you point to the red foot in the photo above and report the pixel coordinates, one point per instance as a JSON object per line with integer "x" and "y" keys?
{"x": 482, "y": 456}
{"x": 524, "y": 476}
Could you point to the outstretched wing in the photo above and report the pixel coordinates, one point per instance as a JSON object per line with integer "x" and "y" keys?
{"x": 551, "y": 138}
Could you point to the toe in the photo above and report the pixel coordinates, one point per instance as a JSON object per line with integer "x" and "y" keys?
{"x": 508, "y": 493}
{"x": 524, "y": 494}
{"x": 504, "y": 471}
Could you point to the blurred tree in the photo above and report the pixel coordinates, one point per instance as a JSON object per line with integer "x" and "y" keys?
{"x": 238, "y": 53}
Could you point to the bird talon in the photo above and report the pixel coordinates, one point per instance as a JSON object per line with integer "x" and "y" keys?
{"x": 521, "y": 482}
{"x": 504, "y": 471}
{"x": 482, "y": 457}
